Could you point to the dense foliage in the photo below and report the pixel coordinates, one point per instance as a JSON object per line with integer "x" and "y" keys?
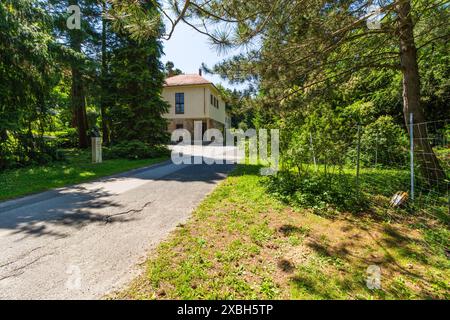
{"x": 27, "y": 75}
{"x": 322, "y": 69}
{"x": 57, "y": 83}
{"x": 306, "y": 56}
{"x": 136, "y": 77}
{"x": 134, "y": 149}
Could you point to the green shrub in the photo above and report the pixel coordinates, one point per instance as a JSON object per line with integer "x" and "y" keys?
{"x": 67, "y": 139}
{"x": 159, "y": 151}
{"x": 383, "y": 143}
{"x": 24, "y": 149}
{"x": 318, "y": 191}
{"x": 319, "y": 137}
{"x": 48, "y": 152}
{"x": 134, "y": 149}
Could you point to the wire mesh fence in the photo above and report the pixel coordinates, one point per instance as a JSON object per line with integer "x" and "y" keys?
{"x": 396, "y": 169}
{"x": 431, "y": 166}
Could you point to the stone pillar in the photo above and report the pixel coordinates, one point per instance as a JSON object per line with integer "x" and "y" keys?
{"x": 96, "y": 143}
{"x": 198, "y": 136}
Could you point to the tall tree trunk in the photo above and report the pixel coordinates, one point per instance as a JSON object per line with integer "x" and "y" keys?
{"x": 429, "y": 164}
{"x": 79, "y": 107}
{"x": 103, "y": 103}
{"x": 77, "y": 91}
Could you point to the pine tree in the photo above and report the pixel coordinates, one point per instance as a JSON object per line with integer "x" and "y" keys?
{"x": 306, "y": 43}
{"x": 83, "y": 47}
{"x": 27, "y": 75}
{"x": 171, "y": 70}
{"x": 137, "y": 76}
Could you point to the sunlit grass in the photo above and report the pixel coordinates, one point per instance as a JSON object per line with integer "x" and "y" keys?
{"x": 76, "y": 168}
{"x": 243, "y": 243}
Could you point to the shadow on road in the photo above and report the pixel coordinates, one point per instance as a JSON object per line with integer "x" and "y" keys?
{"x": 74, "y": 209}
{"x": 51, "y": 213}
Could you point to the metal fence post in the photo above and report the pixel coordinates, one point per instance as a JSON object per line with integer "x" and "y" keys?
{"x": 312, "y": 149}
{"x": 358, "y": 155}
{"x": 411, "y": 135}
{"x": 376, "y": 151}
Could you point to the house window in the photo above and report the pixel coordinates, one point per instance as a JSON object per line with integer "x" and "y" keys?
{"x": 214, "y": 101}
{"x": 179, "y": 126}
{"x": 179, "y": 103}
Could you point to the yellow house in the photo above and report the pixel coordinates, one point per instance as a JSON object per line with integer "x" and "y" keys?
{"x": 193, "y": 98}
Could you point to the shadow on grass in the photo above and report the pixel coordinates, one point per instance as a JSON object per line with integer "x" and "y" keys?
{"x": 334, "y": 285}
{"x": 394, "y": 244}
{"x": 341, "y": 270}
{"x": 393, "y": 248}
{"x": 312, "y": 287}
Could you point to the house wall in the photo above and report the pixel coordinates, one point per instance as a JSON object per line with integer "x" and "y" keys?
{"x": 217, "y": 114}
{"x": 189, "y": 125}
{"x": 194, "y": 101}
{"x": 197, "y": 103}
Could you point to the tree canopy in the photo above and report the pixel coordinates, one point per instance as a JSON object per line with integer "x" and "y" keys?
{"x": 55, "y": 79}
{"x": 297, "y": 48}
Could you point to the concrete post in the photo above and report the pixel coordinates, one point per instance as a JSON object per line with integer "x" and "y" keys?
{"x": 96, "y": 143}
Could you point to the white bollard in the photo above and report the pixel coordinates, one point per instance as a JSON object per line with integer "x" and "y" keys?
{"x": 96, "y": 143}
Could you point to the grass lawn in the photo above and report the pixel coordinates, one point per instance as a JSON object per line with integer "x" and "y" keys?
{"x": 76, "y": 168}
{"x": 242, "y": 243}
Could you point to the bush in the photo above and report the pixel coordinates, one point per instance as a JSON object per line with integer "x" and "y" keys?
{"x": 318, "y": 191}
{"x": 383, "y": 142}
{"x": 159, "y": 151}
{"x": 134, "y": 149}
{"x": 318, "y": 136}
{"x": 67, "y": 139}
{"x": 48, "y": 152}
{"x": 27, "y": 150}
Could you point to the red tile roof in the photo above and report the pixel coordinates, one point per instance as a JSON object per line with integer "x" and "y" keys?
{"x": 185, "y": 79}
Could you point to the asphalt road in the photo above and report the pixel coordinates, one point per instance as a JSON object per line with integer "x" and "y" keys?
{"x": 85, "y": 241}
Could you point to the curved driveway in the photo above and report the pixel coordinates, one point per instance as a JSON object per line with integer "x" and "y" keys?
{"x": 84, "y": 241}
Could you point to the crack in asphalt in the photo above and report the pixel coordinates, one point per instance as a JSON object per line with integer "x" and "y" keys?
{"x": 124, "y": 220}
{"x": 14, "y": 271}
{"x": 109, "y": 218}
{"x": 20, "y": 257}
{"x": 18, "y": 271}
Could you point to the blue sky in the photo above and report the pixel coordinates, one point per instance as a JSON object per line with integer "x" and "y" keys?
{"x": 187, "y": 49}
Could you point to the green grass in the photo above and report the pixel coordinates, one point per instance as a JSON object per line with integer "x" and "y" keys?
{"x": 76, "y": 168}
{"x": 337, "y": 191}
{"x": 243, "y": 243}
